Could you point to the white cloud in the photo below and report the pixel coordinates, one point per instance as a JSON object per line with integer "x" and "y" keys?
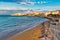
{"x": 32, "y": 3}
{"x": 27, "y": 3}
{"x": 22, "y": 8}
{"x": 42, "y": 2}
{"x": 22, "y": 2}
{"x": 51, "y": 8}
{"x": 12, "y": 8}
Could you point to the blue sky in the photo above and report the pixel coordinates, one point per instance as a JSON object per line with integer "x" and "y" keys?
{"x": 29, "y": 4}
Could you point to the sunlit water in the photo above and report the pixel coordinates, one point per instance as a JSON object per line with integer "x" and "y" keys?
{"x": 11, "y": 22}
{"x": 12, "y": 25}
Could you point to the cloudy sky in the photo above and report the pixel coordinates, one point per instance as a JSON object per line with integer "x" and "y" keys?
{"x": 29, "y": 4}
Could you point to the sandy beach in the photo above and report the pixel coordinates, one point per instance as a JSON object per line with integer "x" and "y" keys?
{"x": 34, "y": 34}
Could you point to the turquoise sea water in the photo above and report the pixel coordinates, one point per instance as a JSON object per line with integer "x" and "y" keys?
{"x": 11, "y": 22}
{"x": 11, "y": 25}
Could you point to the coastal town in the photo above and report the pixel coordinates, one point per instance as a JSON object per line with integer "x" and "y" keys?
{"x": 38, "y": 13}
{"x": 53, "y": 15}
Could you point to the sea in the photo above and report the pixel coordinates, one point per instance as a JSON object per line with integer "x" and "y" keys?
{"x": 11, "y": 25}
{"x": 11, "y": 22}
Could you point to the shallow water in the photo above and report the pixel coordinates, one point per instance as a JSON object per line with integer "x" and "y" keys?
{"x": 10, "y": 22}
{"x": 12, "y": 25}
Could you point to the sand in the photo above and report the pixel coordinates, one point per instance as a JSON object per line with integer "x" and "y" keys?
{"x": 33, "y": 34}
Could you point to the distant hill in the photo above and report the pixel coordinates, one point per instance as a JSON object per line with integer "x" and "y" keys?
{"x": 8, "y": 12}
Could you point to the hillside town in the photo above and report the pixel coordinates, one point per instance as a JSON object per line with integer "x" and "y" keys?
{"x": 40, "y": 13}
{"x": 54, "y": 15}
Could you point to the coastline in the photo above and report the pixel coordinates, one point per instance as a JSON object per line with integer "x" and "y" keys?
{"x": 34, "y": 34}
{"x": 16, "y": 29}
{"x": 29, "y": 34}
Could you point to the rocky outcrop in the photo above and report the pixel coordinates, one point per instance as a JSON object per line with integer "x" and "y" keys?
{"x": 52, "y": 12}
